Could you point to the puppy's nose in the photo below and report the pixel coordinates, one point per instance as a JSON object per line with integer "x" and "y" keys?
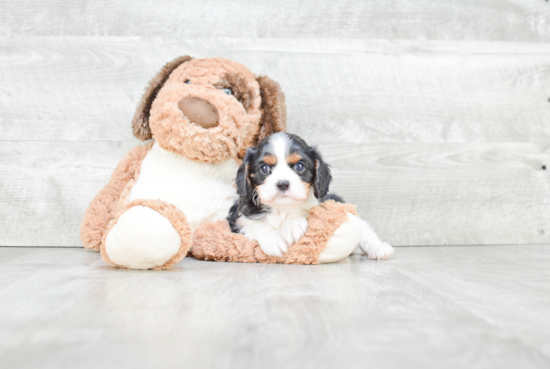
{"x": 283, "y": 185}
{"x": 199, "y": 111}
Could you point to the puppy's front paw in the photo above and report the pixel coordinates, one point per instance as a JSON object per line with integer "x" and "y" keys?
{"x": 293, "y": 229}
{"x": 380, "y": 251}
{"x": 273, "y": 243}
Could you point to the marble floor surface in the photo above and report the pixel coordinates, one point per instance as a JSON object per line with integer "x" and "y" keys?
{"x": 427, "y": 307}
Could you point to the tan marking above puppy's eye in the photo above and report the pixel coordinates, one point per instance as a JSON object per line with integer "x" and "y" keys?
{"x": 293, "y": 158}
{"x": 270, "y": 160}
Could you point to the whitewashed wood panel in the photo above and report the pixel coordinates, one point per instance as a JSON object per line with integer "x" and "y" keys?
{"x": 45, "y": 187}
{"x": 447, "y": 194}
{"x": 500, "y": 20}
{"x": 413, "y": 194}
{"x": 75, "y": 88}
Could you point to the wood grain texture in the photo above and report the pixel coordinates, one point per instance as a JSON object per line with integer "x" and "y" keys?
{"x": 437, "y": 307}
{"x": 491, "y": 20}
{"x": 413, "y": 194}
{"x": 45, "y": 187}
{"x": 447, "y": 194}
{"x": 86, "y": 89}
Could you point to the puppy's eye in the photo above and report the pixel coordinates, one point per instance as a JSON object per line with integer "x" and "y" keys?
{"x": 228, "y": 91}
{"x": 299, "y": 167}
{"x": 188, "y": 81}
{"x": 265, "y": 169}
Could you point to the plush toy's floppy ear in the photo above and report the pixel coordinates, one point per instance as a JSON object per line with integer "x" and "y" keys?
{"x": 273, "y": 108}
{"x": 140, "y": 123}
{"x": 323, "y": 177}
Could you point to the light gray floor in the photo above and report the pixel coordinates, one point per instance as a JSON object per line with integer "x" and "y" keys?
{"x": 428, "y": 307}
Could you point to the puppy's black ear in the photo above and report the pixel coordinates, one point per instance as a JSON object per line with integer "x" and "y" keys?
{"x": 322, "y": 179}
{"x": 244, "y": 187}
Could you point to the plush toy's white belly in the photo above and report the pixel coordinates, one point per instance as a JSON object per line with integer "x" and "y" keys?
{"x": 201, "y": 191}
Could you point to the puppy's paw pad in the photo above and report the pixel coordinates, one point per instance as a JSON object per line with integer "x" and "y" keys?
{"x": 381, "y": 251}
{"x": 294, "y": 229}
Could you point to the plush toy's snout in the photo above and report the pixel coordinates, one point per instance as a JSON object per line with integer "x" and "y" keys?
{"x": 199, "y": 111}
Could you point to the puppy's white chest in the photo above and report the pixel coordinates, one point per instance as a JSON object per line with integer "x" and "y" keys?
{"x": 275, "y": 218}
{"x": 202, "y": 191}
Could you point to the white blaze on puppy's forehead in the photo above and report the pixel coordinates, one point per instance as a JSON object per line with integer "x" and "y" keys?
{"x": 279, "y": 145}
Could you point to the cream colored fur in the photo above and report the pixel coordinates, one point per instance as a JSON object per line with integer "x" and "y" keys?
{"x": 202, "y": 191}
{"x": 142, "y": 239}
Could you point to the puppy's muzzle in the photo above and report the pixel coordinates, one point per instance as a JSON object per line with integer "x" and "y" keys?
{"x": 199, "y": 111}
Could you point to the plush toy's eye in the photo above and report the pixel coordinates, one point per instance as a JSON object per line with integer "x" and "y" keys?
{"x": 228, "y": 91}
{"x": 299, "y": 167}
{"x": 265, "y": 169}
{"x": 188, "y": 81}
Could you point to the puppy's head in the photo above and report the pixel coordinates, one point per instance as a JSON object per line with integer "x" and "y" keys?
{"x": 281, "y": 172}
{"x": 209, "y": 110}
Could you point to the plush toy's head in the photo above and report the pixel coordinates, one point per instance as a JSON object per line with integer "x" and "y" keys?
{"x": 209, "y": 110}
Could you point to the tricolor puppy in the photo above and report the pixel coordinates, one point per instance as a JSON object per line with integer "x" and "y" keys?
{"x": 279, "y": 181}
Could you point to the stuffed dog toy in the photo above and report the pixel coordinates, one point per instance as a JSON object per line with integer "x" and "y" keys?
{"x": 172, "y": 195}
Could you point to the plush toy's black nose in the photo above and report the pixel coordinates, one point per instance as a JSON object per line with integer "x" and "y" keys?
{"x": 283, "y": 185}
{"x": 199, "y": 111}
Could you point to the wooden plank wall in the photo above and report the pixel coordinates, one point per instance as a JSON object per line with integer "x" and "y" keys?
{"x": 435, "y": 115}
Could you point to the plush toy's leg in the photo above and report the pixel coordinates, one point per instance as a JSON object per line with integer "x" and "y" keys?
{"x": 103, "y": 208}
{"x": 147, "y": 234}
{"x": 372, "y": 245}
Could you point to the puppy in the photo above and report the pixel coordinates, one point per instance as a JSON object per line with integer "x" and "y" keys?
{"x": 279, "y": 181}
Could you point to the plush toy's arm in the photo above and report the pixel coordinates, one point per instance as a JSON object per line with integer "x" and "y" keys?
{"x": 103, "y": 208}
{"x": 333, "y": 233}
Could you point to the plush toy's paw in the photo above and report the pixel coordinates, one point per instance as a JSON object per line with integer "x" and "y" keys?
{"x": 379, "y": 251}
{"x": 148, "y": 234}
{"x": 293, "y": 229}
